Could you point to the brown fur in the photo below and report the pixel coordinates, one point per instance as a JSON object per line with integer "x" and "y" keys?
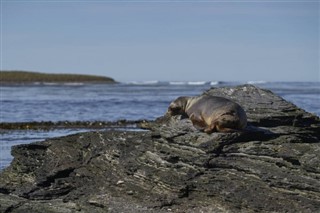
{"x": 210, "y": 113}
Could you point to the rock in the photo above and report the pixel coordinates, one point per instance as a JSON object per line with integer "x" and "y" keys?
{"x": 274, "y": 166}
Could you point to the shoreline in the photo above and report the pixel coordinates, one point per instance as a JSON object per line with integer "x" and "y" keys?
{"x": 49, "y": 125}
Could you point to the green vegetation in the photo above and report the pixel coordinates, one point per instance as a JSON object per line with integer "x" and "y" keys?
{"x": 22, "y": 77}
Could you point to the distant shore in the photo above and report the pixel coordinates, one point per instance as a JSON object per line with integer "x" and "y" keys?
{"x": 26, "y": 77}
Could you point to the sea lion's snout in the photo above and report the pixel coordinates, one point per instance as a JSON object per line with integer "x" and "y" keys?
{"x": 177, "y": 107}
{"x": 174, "y": 110}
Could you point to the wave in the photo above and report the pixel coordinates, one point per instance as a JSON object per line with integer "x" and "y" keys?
{"x": 196, "y": 82}
{"x": 73, "y": 84}
{"x": 49, "y": 83}
{"x": 174, "y": 83}
{"x": 192, "y": 83}
{"x": 177, "y": 82}
{"x": 212, "y": 83}
{"x": 143, "y": 82}
{"x": 256, "y": 82}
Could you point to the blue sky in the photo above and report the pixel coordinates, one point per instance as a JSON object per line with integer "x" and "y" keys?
{"x": 164, "y": 40}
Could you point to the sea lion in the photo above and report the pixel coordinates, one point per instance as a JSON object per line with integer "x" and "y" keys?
{"x": 210, "y": 113}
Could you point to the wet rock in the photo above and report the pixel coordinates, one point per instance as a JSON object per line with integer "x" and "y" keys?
{"x": 271, "y": 167}
{"x": 48, "y": 125}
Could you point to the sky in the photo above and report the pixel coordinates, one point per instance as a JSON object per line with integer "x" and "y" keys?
{"x": 138, "y": 40}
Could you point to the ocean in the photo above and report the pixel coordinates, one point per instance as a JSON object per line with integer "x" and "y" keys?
{"x": 111, "y": 102}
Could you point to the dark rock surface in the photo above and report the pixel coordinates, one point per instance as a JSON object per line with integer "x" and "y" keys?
{"x": 274, "y": 166}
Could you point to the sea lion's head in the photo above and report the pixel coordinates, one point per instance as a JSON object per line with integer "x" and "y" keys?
{"x": 178, "y": 106}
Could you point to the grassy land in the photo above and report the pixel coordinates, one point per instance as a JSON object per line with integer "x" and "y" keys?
{"x": 17, "y": 77}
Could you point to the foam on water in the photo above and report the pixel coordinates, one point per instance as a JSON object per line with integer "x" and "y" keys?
{"x": 177, "y": 82}
{"x": 213, "y": 83}
{"x": 256, "y": 82}
{"x": 197, "y": 82}
{"x": 142, "y": 82}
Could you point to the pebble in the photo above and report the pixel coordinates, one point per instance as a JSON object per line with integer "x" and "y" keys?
{"x": 120, "y": 182}
{"x": 130, "y": 192}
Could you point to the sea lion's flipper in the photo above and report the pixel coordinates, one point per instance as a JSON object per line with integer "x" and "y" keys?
{"x": 227, "y": 126}
{"x": 211, "y": 128}
{"x": 227, "y": 130}
{"x": 197, "y": 121}
{"x": 222, "y": 125}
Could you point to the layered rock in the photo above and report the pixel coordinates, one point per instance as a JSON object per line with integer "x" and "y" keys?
{"x": 274, "y": 166}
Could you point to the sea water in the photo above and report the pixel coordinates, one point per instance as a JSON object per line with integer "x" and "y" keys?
{"x": 111, "y": 102}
